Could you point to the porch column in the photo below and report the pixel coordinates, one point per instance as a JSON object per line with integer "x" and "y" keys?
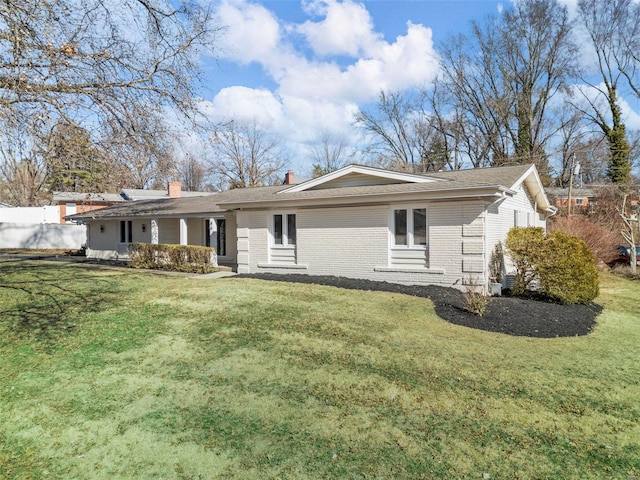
{"x": 183, "y": 231}
{"x": 155, "y": 237}
{"x": 213, "y": 233}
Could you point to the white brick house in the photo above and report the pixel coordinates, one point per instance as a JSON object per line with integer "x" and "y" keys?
{"x": 360, "y": 222}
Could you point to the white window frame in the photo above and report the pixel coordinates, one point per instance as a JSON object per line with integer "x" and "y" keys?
{"x": 410, "y": 227}
{"x": 285, "y": 229}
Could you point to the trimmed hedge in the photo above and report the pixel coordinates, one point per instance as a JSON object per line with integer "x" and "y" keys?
{"x": 561, "y": 263}
{"x": 568, "y": 271}
{"x": 526, "y": 248}
{"x": 179, "y": 258}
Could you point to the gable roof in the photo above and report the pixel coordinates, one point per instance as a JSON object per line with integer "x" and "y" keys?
{"x": 331, "y": 190}
{"x": 357, "y": 175}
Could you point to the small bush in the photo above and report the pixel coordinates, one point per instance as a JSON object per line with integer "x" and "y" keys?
{"x": 496, "y": 264}
{"x": 562, "y": 263}
{"x": 180, "y": 258}
{"x": 475, "y": 298}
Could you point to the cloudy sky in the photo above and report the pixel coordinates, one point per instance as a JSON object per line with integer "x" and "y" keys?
{"x": 302, "y": 68}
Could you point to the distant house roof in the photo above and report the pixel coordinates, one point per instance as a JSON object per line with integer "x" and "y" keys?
{"x": 336, "y": 190}
{"x": 80, "y": 197}
{"x": 576, "y": 192}
{"x": 132, "y": 194}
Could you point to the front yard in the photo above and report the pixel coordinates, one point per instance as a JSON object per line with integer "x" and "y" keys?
{"x": 122, "y": 374}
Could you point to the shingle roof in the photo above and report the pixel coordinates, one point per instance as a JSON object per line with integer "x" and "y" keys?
{"x": 490, "y": 179}
{"x": 141, "y": 194}
{"x": 80, "y": 197}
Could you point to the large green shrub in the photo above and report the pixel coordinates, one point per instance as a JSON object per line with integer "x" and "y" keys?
{"x": 568, "y": 271}
{"x": 181, "y": 258}
{"x": 525, "y": 246}
{"x": 562, "y": 265}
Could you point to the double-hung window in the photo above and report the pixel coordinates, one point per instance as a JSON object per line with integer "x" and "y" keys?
{"x": 283, "y": 239}
{"x": 408, "y": 237}
{"x": 410, "y": 227}
{"x": 284, "y": 229}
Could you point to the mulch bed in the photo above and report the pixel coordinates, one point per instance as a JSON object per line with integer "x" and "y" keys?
{"x": 528, "y": 317}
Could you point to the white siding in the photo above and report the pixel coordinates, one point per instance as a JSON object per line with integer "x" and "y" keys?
{"x": 510, "y": 212}
{"x": 355, "y": 242}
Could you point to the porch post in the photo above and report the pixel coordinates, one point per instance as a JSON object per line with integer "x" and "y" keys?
{"x": 213, "y": 231}
{"x": 155, "y": 237}
{"x": 183, "y": 231}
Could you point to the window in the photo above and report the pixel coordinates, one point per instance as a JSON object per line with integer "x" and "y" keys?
{"x": 410, "y": 227}
{"x": 284, "y": 229}
{"x": 126, "y": 231}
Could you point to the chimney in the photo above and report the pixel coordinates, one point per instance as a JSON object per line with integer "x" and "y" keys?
{"x": 288, "y": 178}
{"x": 175, "y": 189}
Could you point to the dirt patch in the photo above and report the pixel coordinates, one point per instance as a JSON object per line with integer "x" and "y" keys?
{"x": 510, "y": 315}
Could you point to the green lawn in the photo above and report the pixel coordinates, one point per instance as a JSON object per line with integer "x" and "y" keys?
{"x": 112, "y": 374}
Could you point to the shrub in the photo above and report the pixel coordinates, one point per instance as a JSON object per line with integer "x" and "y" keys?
{"x": 568, "y": 271}
{"x": 181, "y": 258}
{"x": 600, "y": 240}
{"x": 525, "y": 247}
{"x": 562, "y": 263}
{"x": 475, "y": 298}
{"x": 496, "y": 264}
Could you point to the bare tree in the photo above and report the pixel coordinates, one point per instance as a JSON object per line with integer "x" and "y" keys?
{"x": 630, "y": 229}
{"x": 243, "y": 155}
{"x": 97, "y": 64}
{"x": 193, "y": 174}
{"x": 329, "y": 153}
{"x": 608, "y": 24}
{"x": 503, "y": 77}
{"x": 402, "y": 137}
{"x": 22, "y": 167}
{"x": 146, "y": 159}
{"x": 98, "y": 56}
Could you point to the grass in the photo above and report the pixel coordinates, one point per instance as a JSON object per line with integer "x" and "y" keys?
{"x": 111, "y": 374}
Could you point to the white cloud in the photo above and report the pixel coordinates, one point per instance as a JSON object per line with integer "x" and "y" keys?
{"x": 347, "y": 28}
{"x": 252, "y": 33}
{"x": 245, "y": 103}
{"x": 317, "y": 89}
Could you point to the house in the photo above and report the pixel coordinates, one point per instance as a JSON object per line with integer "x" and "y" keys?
{"x": 71, "y": 203}
{"x": 360, "y": 222}
{"x": 174, "y": 190}
{"x": 583, "y": 199}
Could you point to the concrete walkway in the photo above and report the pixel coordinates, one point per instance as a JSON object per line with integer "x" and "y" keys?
{"x": 208, "y": 276}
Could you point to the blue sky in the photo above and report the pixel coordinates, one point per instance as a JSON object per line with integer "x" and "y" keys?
{"x": 301, "y": 69}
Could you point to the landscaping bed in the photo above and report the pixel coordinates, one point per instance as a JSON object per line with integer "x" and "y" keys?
{"x": 528, "y": 317}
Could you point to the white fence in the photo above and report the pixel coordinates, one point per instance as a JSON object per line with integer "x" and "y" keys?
{"x": 42, "y": 236}
{"x": 31, "y": 215}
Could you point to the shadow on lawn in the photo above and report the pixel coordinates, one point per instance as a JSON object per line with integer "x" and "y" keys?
{"x": 48, "y": 300}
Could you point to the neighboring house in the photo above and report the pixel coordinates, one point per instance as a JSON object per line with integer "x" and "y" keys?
{"x": 71, "y": 203}
{"x": 74, "y": 202}
{"x": 583, "y": 200}
{"x": 360, "y": 222}
{"x": 174, "y": 190}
